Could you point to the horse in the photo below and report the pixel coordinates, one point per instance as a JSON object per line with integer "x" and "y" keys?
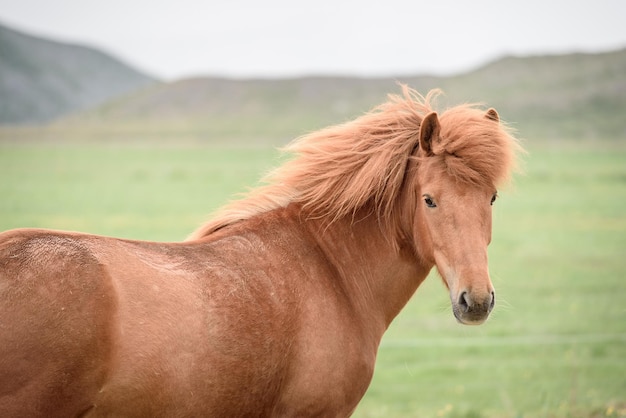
{"x": 277, "y": 305}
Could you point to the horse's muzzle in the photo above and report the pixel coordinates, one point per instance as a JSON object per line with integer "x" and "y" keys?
{"x": 472, "y": 309}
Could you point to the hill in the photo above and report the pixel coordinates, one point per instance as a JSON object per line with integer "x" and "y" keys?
{"x": 46, "y": 79}
{"x": 561, "y": 96}
{"x": 575, "y": 96}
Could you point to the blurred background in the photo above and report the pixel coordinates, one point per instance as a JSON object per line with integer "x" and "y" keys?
{"x": 137, "y": 119}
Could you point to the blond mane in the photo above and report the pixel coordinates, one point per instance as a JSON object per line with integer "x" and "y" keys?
{"x": 339, "y": 170}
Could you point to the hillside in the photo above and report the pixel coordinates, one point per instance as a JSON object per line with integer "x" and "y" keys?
{"x": 565, "y": 96}
{"x": 577, "y": 96}
{"x": 41, "y": 80}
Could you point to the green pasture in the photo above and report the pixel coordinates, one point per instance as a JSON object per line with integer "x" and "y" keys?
{"x": 555, "y": 345}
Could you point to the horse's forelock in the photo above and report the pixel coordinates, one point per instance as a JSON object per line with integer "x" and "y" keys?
{"x": 476, "y": 149}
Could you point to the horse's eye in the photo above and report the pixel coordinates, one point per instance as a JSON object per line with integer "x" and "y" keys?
{"x": 429, "y": 202}
{"x": 493, "y": 198}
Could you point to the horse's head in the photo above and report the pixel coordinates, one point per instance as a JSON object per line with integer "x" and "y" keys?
{"x": 457, "y": 170}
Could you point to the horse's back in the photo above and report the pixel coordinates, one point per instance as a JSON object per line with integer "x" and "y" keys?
{"x": 55, "y": 331}
{"x": 229, "y": 326}
{"x": 112, "y": 327}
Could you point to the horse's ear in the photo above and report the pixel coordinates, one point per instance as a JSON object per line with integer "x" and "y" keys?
{"x": 492, "y": 115}
{"x": 429, "y": 133}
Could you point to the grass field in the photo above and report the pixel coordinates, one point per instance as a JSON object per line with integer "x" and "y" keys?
{"x": 555, "y": 345}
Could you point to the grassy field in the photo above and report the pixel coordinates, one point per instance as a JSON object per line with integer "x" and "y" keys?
{"x": 555, "y": 346}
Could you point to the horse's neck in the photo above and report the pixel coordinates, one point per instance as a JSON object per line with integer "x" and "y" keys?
{"x": 382, "y": 276}
{"x": 378, "y": 275}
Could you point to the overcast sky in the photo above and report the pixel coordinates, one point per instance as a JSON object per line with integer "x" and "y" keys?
{"x": 276, "y": 38}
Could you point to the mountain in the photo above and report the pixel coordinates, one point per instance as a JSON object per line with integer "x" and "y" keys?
{"x": 574, "y": 96}
{"x": 559, "y": 96}
{"x": 41, "y": 80}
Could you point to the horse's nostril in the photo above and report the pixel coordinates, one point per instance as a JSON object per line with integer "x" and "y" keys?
{"x": 493, "y": 300}
{"x": 463, "y": 301}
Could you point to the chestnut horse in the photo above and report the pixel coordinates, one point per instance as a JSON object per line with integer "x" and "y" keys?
{"x": 276, "y": 307}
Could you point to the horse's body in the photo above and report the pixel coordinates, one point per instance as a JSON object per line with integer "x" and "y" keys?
{"x": 276, "y": 308}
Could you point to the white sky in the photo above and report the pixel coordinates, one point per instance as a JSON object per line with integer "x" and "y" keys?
{"x": 276, "y": 38}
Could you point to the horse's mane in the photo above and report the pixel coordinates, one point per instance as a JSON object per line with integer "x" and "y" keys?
{"x": 339, "y": 170}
